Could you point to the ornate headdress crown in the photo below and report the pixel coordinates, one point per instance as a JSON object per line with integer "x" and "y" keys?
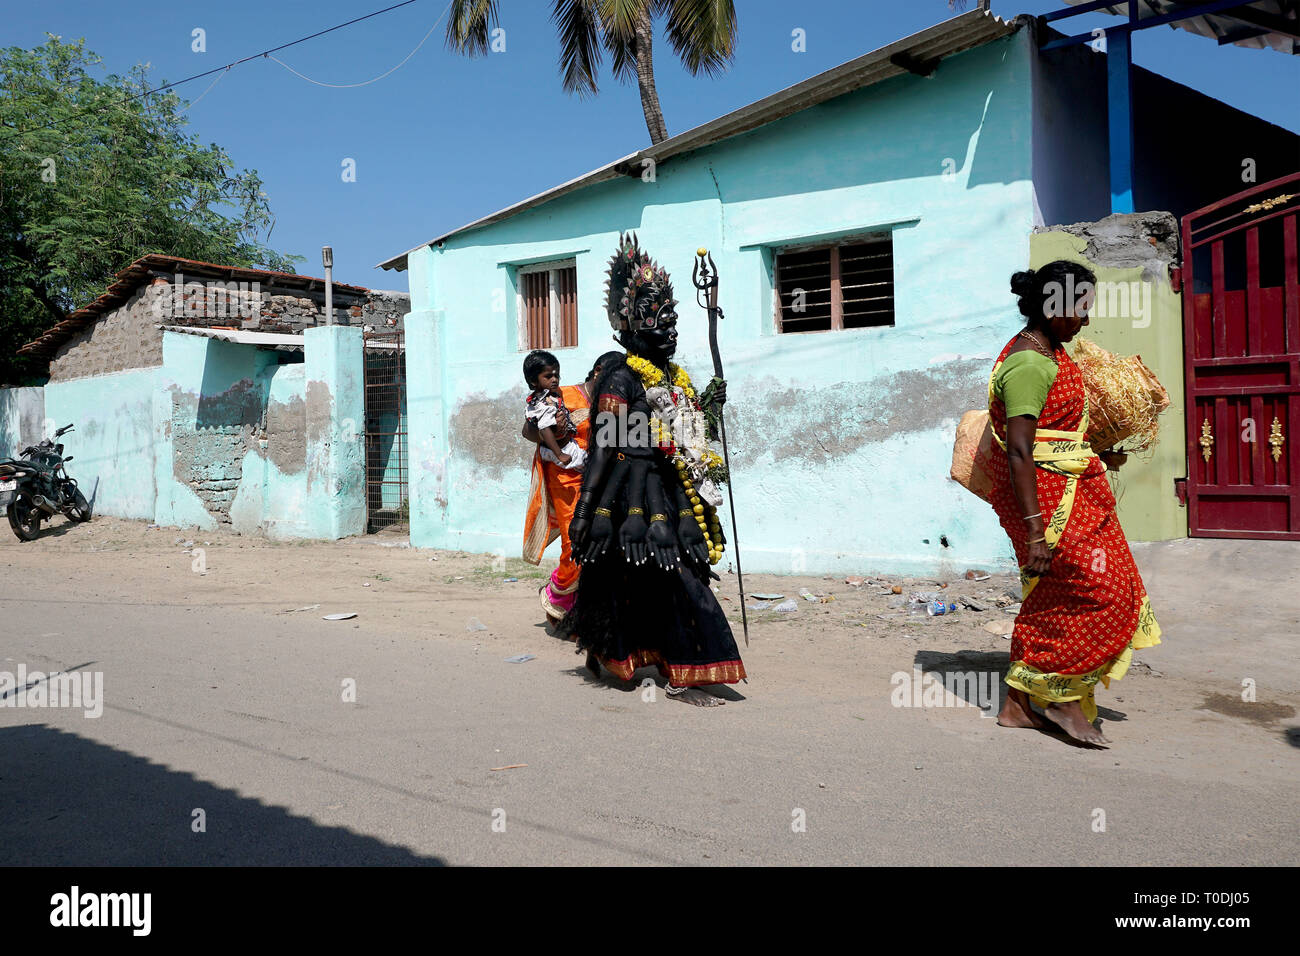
{"x": 633, "y": 277}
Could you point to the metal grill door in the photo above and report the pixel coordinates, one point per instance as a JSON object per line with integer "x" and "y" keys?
{"x": 386, "y": 449}
{"x": 1241, "y": 315}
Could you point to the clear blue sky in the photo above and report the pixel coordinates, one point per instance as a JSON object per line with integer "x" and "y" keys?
{"x": 445, "y": 139}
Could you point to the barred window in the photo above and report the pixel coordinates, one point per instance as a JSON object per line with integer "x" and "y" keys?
{"x": 548, "y": 305}
{"x": 844, "y": 286}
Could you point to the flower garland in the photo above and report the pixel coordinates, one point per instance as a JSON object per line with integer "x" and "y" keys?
{"x": 651, "y": 375}
{"x": 710, "y": 462}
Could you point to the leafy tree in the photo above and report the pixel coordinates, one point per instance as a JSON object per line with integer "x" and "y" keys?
{"x": 96, "y": 173}
{"x": 702, "y": 34}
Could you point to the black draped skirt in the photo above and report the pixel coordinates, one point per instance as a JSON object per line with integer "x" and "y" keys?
{"x": 638, "y": 616}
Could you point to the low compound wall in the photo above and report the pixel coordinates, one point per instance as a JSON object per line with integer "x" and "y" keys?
{"x": 223, "y": 434}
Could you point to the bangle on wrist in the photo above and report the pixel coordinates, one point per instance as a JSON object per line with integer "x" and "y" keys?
{"x": 658, "y": 517}
{"x": 686, "y": 513}
{"x": 604, "y": 512}
{"x": 1036, "y": 540}
{"x": 1033, "y": 516}
{"x": 635, "y": 511}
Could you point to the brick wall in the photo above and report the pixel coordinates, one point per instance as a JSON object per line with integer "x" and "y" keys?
{"x": 122, "y": 339}
{"x": 128, "y": 336}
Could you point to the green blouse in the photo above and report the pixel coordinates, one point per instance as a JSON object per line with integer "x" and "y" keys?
{"x": 1023, "y": 381}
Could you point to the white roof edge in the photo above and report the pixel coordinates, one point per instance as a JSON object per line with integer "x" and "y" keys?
{"x": 240, "y": 336}
{"x": 978, "y": 26}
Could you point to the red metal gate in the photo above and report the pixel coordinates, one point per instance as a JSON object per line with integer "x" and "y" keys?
{"x": 1241, "y": 315}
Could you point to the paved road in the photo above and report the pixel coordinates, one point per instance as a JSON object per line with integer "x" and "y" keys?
{"x": 223, "y": 704}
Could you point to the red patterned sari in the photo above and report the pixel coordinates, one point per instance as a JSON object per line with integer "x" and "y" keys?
{"x": 1080, "y": 622}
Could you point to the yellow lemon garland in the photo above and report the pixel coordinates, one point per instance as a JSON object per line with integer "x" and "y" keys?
{"x": 706, "y": 516}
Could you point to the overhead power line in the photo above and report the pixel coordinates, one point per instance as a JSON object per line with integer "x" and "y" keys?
{"x": 375, "y": 79}
{"x": 264, "y": 53}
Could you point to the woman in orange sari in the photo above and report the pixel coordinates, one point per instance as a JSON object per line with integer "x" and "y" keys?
{"x": 1084, "y": 607}
{"x": 552, "y": 497}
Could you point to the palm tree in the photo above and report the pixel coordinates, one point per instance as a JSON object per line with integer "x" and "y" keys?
{"x": 702, "y": 34}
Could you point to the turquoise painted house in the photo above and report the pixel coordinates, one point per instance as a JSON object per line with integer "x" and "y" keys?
{"x": 865, "y": 223}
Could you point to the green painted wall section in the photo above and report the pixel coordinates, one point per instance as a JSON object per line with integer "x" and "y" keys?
{"x": 1144, "y": 487}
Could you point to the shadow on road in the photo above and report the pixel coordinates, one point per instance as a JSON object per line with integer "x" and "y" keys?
{"x": 70, "y": 800}
{"x": 972, "y": 662}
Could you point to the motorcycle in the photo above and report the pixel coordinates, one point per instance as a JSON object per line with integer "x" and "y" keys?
{"x": 37, "y": 486}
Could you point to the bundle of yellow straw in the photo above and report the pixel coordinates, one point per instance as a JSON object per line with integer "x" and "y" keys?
{"x": 1124, "y": 398}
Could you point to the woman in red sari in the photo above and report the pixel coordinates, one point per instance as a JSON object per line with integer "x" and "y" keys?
{"x": 551, "y": 499}
{"x": 1084, "y": 607}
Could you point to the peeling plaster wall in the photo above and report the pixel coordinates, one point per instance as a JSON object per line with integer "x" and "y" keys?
{"x": 335, "y": 433}
{"x": 235, "y": 438}
{"x": 22, "y": 419}
{"x": 218, "y": 435}
{"x": 272, "y": 492}
{"x": 218, "y": 406}
{"x": 841, "y": 440}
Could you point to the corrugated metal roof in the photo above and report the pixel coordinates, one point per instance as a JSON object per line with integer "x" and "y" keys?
{"x": 1265, "y": 24}
{"x": 920, "y": 52}
{"x": 129, "y": 279}
{"x": 265, "y": 340}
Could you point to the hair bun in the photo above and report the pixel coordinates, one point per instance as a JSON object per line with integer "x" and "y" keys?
{"x": 1023, "y": 282}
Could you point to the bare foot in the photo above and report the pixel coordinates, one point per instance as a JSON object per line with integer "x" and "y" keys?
{"x": 693, "y": 695}
{"x": 1069, "y": 717}
{"x": 1016, "y": 712}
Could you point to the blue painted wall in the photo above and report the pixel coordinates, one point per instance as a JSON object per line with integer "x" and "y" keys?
{"x": 225, "y": 434}
{"x": 841, "y": 441}
{"x": 22, "y": 419}
{"x": 114, "y": 446}
{"x": 272, "y": 493}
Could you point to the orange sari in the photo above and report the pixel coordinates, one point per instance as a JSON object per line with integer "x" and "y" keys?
{"x": 551, "y": 500}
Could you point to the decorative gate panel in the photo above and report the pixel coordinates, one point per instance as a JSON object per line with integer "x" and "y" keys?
{"x": 1241, "y": 314}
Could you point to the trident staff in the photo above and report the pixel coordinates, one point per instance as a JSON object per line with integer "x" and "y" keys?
{"x": 705, "y": 278}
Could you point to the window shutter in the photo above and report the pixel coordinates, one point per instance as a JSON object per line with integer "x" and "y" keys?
{"x": 867, "y": 284}
{"x": 803, "y": 283}
{"x": 836, "y": 287}
{"x": 566, "y": 281}
{"x": 537, "y": 309}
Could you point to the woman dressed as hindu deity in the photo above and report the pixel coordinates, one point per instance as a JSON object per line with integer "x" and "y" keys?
{"x": 1084, "y": 609}
{"x": 646, "y": 525}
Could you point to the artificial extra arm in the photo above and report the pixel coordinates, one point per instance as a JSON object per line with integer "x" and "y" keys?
{"x": 662, "y": 537}
{"x": 632, "y": 533}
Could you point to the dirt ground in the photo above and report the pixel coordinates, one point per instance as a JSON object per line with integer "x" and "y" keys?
{"x": 223, "y": 685}
{"x": 853, "y": 633}
{"x": 428, "y": 592}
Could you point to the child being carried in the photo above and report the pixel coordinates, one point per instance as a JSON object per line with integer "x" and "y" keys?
{"x": 545, "y": 409}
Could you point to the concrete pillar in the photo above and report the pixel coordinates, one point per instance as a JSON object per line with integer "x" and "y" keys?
{"x": 336, "y": 451}
{"x": 427, "y": 428}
